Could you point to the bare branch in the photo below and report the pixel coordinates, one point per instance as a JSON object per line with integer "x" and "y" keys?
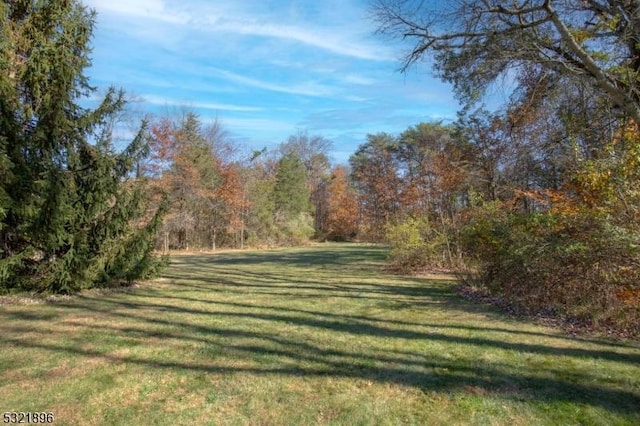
{"x": 595, "y": 41}
{"x": 604, "y": 80}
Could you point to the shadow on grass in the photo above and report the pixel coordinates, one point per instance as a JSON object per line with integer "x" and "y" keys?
{"x": 353, "y": 255}
{"x": 182, "y": 313}
{"x": 393, "y": 322}
{"x": 346, "y": 325}
{"x": 428, "y": 373}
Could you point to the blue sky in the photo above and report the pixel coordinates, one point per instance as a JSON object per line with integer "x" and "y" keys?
{"x": 265, "y": 69}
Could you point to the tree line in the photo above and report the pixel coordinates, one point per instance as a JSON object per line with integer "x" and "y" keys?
{"x": 221, "y": 197}
{"x": 536, "y": 201}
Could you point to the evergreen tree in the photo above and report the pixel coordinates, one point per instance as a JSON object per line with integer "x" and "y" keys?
{"x": 291, "y": 193}
{"x": 291, "y": 196}
{"x": 71, "y": 214}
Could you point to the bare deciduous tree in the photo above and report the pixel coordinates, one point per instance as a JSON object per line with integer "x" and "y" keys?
{"x": 474, "y": 42}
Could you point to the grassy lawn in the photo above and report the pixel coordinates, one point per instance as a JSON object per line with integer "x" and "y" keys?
{"x": 303, "y": 336}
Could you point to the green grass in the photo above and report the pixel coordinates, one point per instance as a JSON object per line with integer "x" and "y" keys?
{"x": 303, "y": 336}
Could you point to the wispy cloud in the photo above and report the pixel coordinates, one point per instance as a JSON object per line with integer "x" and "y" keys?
{"x": 308, "y": 88}
{"x": 315, "y": 37}
{"x": 235, "y": 19}
{"x": 263, "y": 130}
{"x": 358, "y": 79}
{"x": 147, "y": 9}
{"x": 265, "y": 68}
{"x": 163, "y": 101}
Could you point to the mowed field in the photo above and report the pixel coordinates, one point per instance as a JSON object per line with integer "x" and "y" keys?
{"x": 316, "y": 335}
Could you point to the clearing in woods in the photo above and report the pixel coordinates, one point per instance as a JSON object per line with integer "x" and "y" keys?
{"x": 315, "y": 335}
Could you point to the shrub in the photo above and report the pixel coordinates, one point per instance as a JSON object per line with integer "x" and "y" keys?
{"x": 417, "y": 245}
{"x": 576, "y": 264}
{"x": 297, "y": 229}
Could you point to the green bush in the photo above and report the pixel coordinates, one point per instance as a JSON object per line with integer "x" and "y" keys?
{"x": 298, "y": 229}
{"x": 417, "y": 245}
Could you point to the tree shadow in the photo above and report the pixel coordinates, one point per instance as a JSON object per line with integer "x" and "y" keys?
{"x": 349, "y": 326}
{"x": 373, "y": 319}
{"x": 196, "y": 311}
{"x": 332, "y": 256}
{"x": 428, "y": 373}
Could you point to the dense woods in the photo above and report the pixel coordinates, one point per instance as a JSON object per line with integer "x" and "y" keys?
{"x": 535, "y": 201}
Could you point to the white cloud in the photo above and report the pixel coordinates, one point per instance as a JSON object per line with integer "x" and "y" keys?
{"x": 356, "y": 98}
{"x": 309, "y": 88}
{"x": 332, "y": 41}
{"x": 245, "y": 58}
{"x": 266, "y": 127}
{"x": 240, "y": 18}
{"x": 151, "y": 9}
{"x": 358, "y": 79}
{"x": 160, "y": 100}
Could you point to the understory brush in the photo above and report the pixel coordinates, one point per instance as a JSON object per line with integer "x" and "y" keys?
{"x": 576, "y": 265}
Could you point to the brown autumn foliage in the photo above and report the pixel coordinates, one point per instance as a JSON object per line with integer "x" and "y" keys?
{"x": 206, "y": 195}
{"x": 374, "y": 171}
{"x": 576, "y": 255}
{"x": 231, "y": 193}
{"x": 342, "y": 206}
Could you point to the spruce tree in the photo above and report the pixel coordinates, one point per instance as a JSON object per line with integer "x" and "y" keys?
{"x": 291, "y": 192}
{"x": 291, "y": 198}
{"x": 72, "y": 215}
